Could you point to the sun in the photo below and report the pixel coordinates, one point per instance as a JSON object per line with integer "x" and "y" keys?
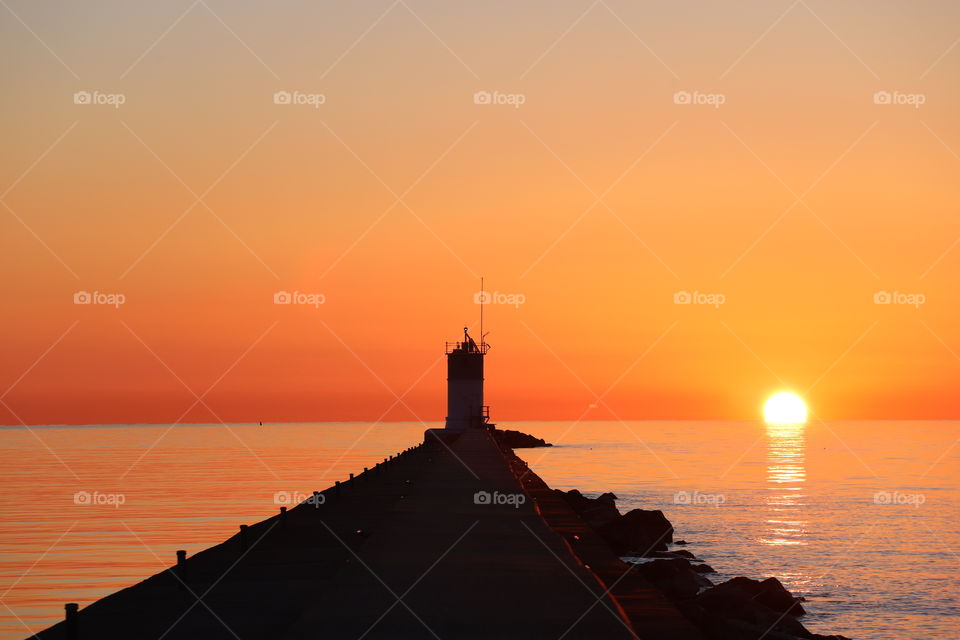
{"x": 785, "y": 408}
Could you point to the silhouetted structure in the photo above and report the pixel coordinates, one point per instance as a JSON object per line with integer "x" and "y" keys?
{"x": 465, "y": 406}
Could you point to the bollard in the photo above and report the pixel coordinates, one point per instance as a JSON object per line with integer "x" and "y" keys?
{"x": 316, "y": 499}
{"x": 351, "y": 476}
{"x": 336, "y": 486}
{"x": 72, "y": 624}
{"x": 283, "y": 517}
{"x": 181, "y": 569}
{"x": 243, "y": 537}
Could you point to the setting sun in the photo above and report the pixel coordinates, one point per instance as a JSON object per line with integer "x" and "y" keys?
{"x": 785, "y": 408}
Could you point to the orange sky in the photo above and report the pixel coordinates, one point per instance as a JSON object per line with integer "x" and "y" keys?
{"x": 797, "y": 199}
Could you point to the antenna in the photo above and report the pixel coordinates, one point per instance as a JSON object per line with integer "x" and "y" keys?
{"x": 483, "y": 294}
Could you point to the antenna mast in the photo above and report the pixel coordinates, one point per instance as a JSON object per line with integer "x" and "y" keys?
{"x": 483, "y": 294}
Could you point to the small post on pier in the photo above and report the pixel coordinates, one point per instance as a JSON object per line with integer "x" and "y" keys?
{"x": 243, "y": 537}
{"x": 283, "y": 517}
{"x": 181, "y": 569}
{"x": 72, "y": 622}
{"x": 336, "y": 486}
{"x": 351, "y": 476}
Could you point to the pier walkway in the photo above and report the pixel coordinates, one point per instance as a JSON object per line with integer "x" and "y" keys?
{"x": 441, "y": 542}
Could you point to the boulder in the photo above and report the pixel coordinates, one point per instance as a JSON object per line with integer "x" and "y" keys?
{"x": 671, "y": 554}
{"x": 596, "y": 512}
{"x": 745, "y": 593}
{"x": 638, "y": 532}
{"x": 703, "y": 568}
{"x": 518, "y": 439}
{"x": 675, "y": 578}
{"x": 758, "y": 623}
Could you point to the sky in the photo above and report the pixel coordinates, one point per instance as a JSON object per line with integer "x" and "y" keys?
{"x": 678, "y": 208}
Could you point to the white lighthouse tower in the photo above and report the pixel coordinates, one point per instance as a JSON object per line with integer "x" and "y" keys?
{"x": 465, "y": 408}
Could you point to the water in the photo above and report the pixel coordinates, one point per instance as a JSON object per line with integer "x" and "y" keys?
{"x": 858, "y": 517}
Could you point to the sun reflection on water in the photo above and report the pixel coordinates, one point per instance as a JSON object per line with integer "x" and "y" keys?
{"x": 786, "y": 475}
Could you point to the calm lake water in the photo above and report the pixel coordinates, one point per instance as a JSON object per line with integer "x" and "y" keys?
{"x": 861, "y": 518}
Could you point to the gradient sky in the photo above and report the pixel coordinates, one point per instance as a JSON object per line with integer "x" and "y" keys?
{"x": 797, "y": 199}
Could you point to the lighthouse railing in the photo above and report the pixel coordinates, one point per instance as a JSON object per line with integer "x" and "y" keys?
{"x": 450, "y": 347}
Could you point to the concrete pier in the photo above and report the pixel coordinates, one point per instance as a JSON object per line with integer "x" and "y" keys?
{"x": 440, "y": 541}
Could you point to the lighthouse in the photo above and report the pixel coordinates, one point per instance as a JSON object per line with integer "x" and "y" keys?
{"x": 465, "y": 408}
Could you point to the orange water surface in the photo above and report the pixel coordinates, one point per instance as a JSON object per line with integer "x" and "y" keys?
{"x": 858, "y": 517}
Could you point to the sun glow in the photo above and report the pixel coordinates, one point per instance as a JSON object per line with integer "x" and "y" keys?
{"x": 785, "y": 408}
